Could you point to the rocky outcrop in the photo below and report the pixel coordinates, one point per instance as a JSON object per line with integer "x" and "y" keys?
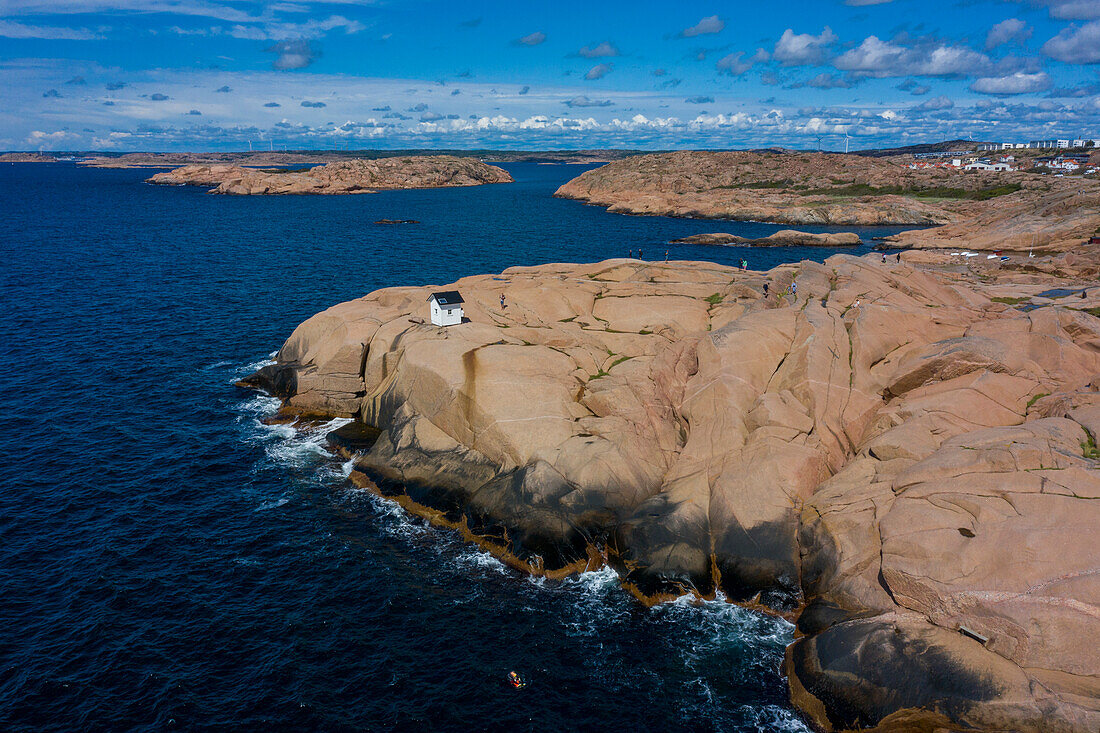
{"x": 905, "y": 466}
{"x": 782, "y": 238}
{"x": 342, "y": 177}
{"x": 979, "y": 210}
{"x": 1059, "y": 220}
{"x": 27, "y": 158}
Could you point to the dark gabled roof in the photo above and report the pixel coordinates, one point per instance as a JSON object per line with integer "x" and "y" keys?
{"x": 447, "y": 297}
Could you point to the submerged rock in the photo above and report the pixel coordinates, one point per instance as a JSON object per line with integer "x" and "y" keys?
{"x": 902, "y": 464}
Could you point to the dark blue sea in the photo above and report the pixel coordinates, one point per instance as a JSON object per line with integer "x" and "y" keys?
{"x": 168, "y": 561}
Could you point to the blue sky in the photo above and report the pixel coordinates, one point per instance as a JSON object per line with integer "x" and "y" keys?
{"x": 219, "y": 74}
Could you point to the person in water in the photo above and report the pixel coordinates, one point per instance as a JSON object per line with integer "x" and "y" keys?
{"x": 516, "y": 680}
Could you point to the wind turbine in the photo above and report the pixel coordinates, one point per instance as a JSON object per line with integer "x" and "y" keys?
{"x": 846, "y": 138}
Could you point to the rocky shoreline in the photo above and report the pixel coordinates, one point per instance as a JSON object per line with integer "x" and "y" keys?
{"x": 990, "y": 211}
{"x": 892, "y": 455}
{"x": 338, "y": 178}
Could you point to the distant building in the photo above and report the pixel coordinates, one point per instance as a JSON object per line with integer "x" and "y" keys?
{"x": 1044, "y": 144}
{"x": 446, "y": 308}
{"x": 925, "y": 156}
{"x": 985, "y": 165}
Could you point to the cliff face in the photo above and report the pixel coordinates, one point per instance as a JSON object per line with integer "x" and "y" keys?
{"x": 342, "y": 177}
{"x": 904, "y": 465}
{"x": 980, "y": 210}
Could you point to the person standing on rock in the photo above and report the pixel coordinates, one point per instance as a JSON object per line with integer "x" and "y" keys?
{"x": 666, "y": 255}
{"x": 502, "y": 306}
{"x": 640, "y": 254}
{"x": 765, "y": 290}
{"x": 630, "y": 254}
{"x": 884, "y": 258}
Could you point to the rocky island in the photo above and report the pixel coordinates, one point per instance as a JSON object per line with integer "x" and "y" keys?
{"x": 341, "y": 177}
{"x": 899, "y": 457}
{"x": 979, "y": 210}
{"x": 782, "y": 238}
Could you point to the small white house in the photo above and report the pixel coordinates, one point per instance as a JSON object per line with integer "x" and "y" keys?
{"x": 446, "y": 308}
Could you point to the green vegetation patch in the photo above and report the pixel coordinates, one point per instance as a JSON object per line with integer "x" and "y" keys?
{"x": 938, "y": 192}
{"x": 715, "y": 298}
{"x": 1089, "y": 449}
{"x": 1009, "y": 301}
{"x": 1036, "y": 398}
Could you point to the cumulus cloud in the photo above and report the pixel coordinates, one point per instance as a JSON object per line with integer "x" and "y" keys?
{"x": 700, "y": 100}
{"x": 935, "y": 104}
{"x": 584, "y": 101}
{"x": 1012, "y": 29}
{"x": 735, "y": 66}
{"x": 51, "y": 94}
{"x": 272, "y": 104}
{"x": 158, "y": 97}
{"x": 293, "y": 54}
{"x": 1018, "y": 83}
{"x": 1077, "y": 92}
{"x": 115, "y": 86}
{"x": 531, "y": 39}
{"x": 799, "y": 49}
{"x": 600, "y": 50}
{"x": 599, "y": 71}
{"x": 194, "y": 113}
{"x": 878, "y": 58}
{"x": 317, "y": 105}
{"x": 223, "y": 90}
{"x": 1076, "y": 44}
{"x": 1072, "y": 9}
{"x": 707, "y": 26}
{"x": 911, "y": 86}
{"x": 524, "y": 90}
{"x": 384, "y": 108}
{"x": 77, "y": 80}
{"x": 431, "y": 117}
{"x": 419, "y": 107}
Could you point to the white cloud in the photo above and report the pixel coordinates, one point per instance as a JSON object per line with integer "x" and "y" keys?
{"x": 599, "y": 71}
{"x": 11, "y": 29}
{"x": 797, "y": 49}
{"x": 1018, "y": 83}
{"x": 707, "y": 26}
{"x": 1076, "y": 45}
{"x": 878, "y": 58}
{"x": 296, "y": 54}
{"x": 936, "y": 104}
{"x": 600, "y": 50}
{"x": 531, "y": 39}
{"x": 1072, "y": 9}
{"x": 734, "y": 66}
{"x": 1011, "y": 29}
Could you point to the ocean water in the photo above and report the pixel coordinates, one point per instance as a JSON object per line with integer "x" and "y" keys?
{"x": 167, "y": 561}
